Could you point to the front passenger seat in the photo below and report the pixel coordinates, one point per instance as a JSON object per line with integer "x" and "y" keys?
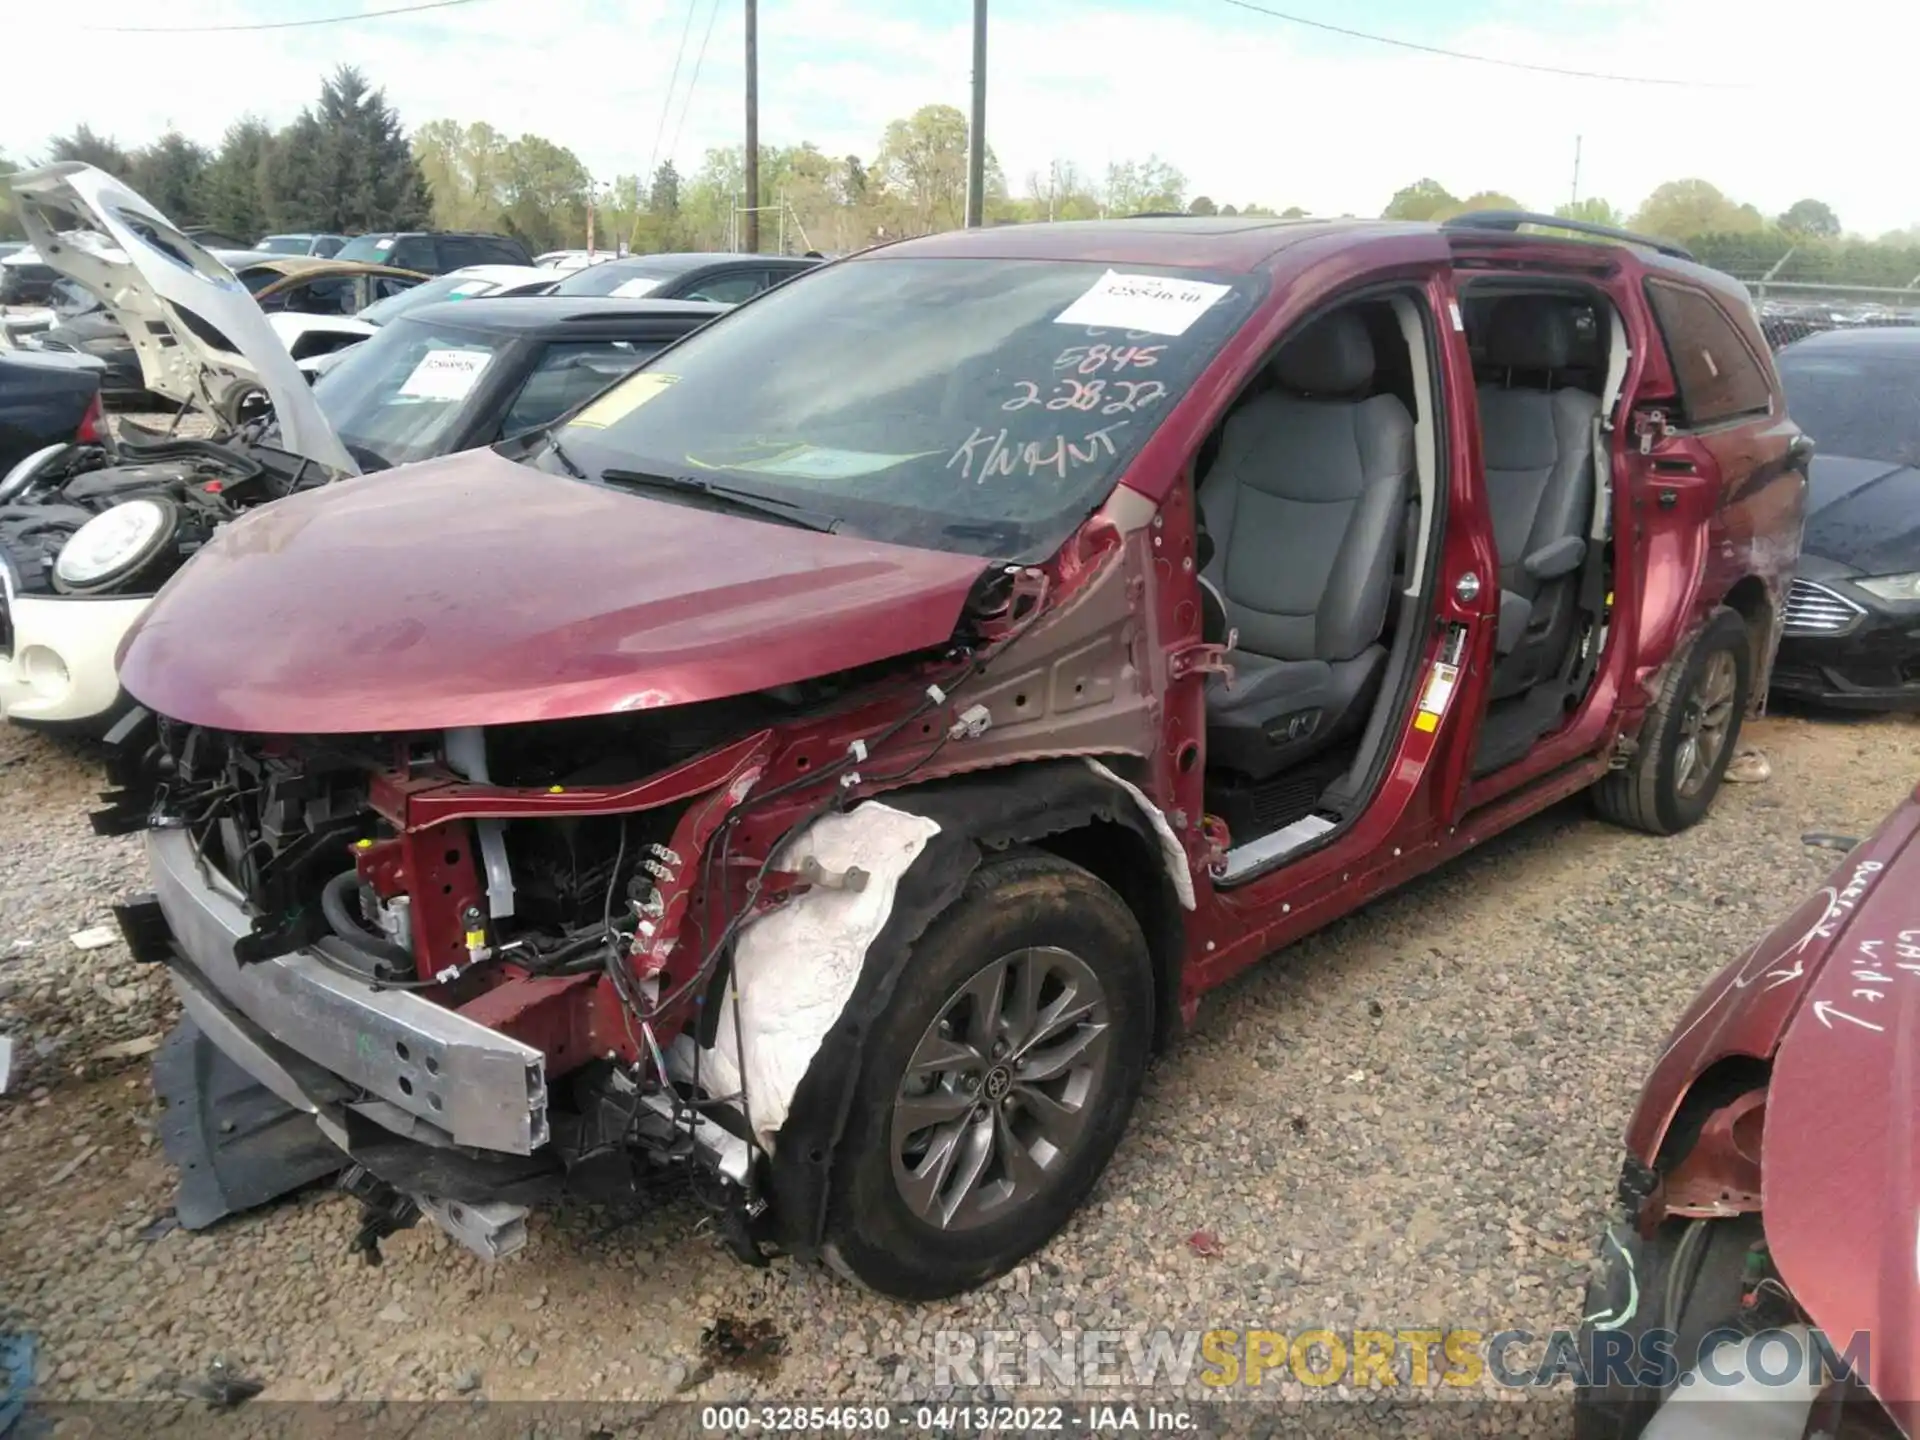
{"x": 1536, "y": 442}
{"x": 1304, "y": 505}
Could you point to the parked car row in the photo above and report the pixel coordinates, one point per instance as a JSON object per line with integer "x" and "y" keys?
{"x": 829, "y": 742}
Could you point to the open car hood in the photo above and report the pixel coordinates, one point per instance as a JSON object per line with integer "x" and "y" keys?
{"x": 472, "y": 590}
{"x": 191, "y": 321}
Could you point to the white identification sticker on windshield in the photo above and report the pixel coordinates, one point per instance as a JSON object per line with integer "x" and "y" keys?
{"x": 446, "y": 374}
{"x": 631, "y": 289}
{"x": 1152, "y": 303}
{"x": 386, "y": 244}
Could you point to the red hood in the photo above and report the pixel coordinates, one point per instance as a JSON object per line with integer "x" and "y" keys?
{"x": 475, "y": 591}
{"x": 1840, "y": 1154}
{"x": 1835, "y": 990}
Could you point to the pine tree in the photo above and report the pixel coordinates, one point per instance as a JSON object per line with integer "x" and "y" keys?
{"x": 345, "y": 164}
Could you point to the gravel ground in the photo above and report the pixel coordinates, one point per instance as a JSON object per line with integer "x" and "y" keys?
{"x": 1410, "y": 1120}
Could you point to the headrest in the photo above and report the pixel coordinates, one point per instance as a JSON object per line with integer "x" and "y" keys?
{"x": 1529, "y": 332}
{"x": 1332, "y": 356}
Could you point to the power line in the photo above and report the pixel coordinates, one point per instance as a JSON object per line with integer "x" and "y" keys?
{"x": 686, "y": 101}
{"x": 666, "y": 105}
{"x": 274, "y": 24}
{"x": 1481, "y": 59}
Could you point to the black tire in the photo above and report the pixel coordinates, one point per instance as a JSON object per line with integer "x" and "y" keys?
{"x": 1686, "y": 1308}
{"x": 1648, "y": 794}
{"x": 1013, "y": 904}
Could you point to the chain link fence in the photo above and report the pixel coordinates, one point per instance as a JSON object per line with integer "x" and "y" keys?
{"x": 1793, "y": 310}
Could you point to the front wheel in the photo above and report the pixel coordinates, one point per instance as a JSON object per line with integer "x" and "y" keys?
{"x": 996, "y": 1083}
{"x": 1688, "y": 736}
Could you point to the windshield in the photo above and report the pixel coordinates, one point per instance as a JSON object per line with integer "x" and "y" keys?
{"x": 398, "y": 396}
{"x": 286, "y": 244}
{"x": 366, "y": 247}
{"x": 983, "y": 406}
{"x": 628, "y": 282}
{"x": 442, "y": 287}
{"x": 1863, "y": 407}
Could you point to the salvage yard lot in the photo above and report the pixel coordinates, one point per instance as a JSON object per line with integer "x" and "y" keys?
{"x": 1411, "y": 1121}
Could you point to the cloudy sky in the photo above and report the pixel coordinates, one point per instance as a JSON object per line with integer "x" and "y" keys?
{"x": 1780, "y": 101}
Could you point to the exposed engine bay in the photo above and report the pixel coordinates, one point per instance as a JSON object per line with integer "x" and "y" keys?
{"x": 422, "y": 865}
{"x": 164, "y": 497}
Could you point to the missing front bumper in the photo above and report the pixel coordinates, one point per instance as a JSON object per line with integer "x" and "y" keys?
{"x": 300, "y": 1027}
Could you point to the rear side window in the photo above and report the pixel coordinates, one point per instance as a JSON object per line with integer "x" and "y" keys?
{"x": 413, "y": 253}
{"x": 496, "y": 251}
{"x": 730, "y": 287}
{"x": 569, "y": 374}
{"x": 1719, "y": 376}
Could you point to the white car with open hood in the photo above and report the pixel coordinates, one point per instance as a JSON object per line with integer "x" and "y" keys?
{"x": 89, "y": 533}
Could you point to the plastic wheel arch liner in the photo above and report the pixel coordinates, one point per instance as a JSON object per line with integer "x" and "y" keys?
{"x": 924, "y": 844}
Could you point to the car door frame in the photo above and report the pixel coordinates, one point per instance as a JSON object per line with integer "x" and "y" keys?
{"x": 1575, "y": 755}
{"x": 1399, "y": 831}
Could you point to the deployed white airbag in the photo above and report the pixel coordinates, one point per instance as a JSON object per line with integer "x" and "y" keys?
{"x": 797, "y": 966}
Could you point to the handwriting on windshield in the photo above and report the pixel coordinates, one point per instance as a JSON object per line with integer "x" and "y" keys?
{"x": 1092, "y": 359}
{"x": 987, "y": 453}
{"x": 1109, "y": 397}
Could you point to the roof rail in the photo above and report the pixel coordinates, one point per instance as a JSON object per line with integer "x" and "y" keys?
{"x": 1512, "y": 220}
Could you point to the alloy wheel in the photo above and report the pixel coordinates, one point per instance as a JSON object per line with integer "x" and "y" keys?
{"x": 1706, "y": 723}
{"x": 1001, "y": 1089}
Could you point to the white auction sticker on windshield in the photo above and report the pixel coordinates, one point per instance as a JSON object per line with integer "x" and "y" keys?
{"x": 446, "y": 374}
{"x": 633, "y": 289}
{"x": 1153, "y": 303}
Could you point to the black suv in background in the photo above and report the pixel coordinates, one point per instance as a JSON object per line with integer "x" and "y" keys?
{"x": 722, "y": 279}
{"x": 434, "y": 252}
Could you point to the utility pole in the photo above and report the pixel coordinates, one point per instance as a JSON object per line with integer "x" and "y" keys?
{"x": 753, "y": 128}
{"x": 977, "y": 126}
{"x": 1576, "y": 170}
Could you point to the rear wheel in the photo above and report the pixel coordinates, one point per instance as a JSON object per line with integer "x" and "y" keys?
{"x": 1688, "y": 736}
{"x": 997, "y": 1082}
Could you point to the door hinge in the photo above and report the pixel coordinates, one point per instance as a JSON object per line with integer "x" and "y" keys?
{"x": 1200, "y": 659}
{"x": 1649, "y": 426}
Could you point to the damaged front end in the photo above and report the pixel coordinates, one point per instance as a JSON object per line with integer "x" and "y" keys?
{"x": 497, "y": 965}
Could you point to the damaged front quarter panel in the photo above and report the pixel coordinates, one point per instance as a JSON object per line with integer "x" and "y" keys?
{"x": 1735, "y": 1024}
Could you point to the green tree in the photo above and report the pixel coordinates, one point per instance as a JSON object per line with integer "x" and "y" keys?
{"x": 923, "y": 166}
{"x": 1422, "y": 200}
{"x": 1593, "y": 210}
{"x": 1063, "y": 193}
{"x": 545, "y": 193}
{"x": 465, "y": 167}
{"x": 1134, "y": 186}
{"x": 1479, "y": 200}
{"x": 1202, "y": 205}
{"x": 1812, "y": 218}
{"x": 236, "y": 189}
{"x": 663, "y": 199}
{"x": 171, "y": 173}
{"x": 852, "y": 191}
{"x": 10, "y": 227}
{"x": 1682, "y": 209}
{"x": 345, "y": 165}
{"x": 1293, "y": 212}
{"x": 88, "y": 148}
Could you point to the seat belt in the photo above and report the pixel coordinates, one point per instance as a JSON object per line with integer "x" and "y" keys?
{"x": 1593, "y": 597}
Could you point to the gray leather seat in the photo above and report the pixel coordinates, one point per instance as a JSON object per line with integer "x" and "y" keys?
{"x": 1536, "y": 439}
{"x": 1304, "y": 506}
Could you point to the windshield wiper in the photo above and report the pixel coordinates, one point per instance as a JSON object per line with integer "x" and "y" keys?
{"x": 726, "y": 497}
{"x": 555, "y": 449}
